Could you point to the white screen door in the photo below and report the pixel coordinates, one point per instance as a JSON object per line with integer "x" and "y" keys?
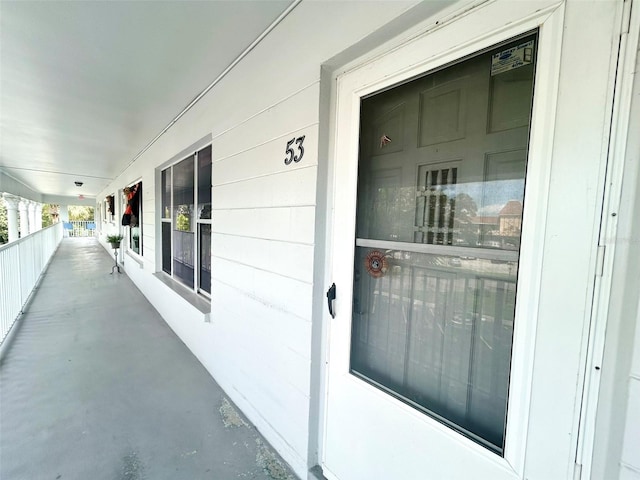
{"x": 436, "y": 258}
{"x": 441, "y": 172}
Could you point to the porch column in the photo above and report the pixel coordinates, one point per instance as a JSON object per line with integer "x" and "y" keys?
{"x": 32, "y": 216}
{"x": 24, "y": 220}
{"x": 38, "y": 216}
{"x": 12, "y": 216}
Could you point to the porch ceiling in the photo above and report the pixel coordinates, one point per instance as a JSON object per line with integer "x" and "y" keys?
{"x": 84, "y": 86}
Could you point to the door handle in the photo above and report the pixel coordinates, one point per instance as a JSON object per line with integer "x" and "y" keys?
{"x": 331, "y": 296}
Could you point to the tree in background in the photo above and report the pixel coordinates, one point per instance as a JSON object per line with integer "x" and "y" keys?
{"x": 80, "y": 213}
{"x": 50, "y": 214}
{"x": 4, "y": 230}
{"x": 183, "y": 220}
{"x": 465, "y": 207}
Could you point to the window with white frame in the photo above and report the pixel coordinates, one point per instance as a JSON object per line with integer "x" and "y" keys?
{"x": 186, "y": 221}
{"x": 132, "y": 217}
{"x": 109, "y": 209}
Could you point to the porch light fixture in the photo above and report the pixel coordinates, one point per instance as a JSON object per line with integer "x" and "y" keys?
{"x": 78, "y": 184}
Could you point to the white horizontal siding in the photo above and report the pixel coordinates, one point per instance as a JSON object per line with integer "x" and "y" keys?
{"x": 148, "y": 247}
{"x": 281, "y": 117}
{"x": 287, "y": 189}
{"x": 266, "y": 354}
{"x": 275, "y": 356}
{"x": 280, "y": 412}
{"x": 265, "y": 159}
{"x": 267, "y": 255}
{"x": 273, "y": 291}
{"x": 287, "y": 410}
{"x": 287, "y": 331}
{"x": 292, "y": 224}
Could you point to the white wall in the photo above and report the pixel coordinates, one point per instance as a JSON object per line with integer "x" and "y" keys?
{"x": 259, "y": 339}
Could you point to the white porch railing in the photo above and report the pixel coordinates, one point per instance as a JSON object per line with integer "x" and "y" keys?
{"x": 21, "y": 264}
{"x": 79, "y": 228}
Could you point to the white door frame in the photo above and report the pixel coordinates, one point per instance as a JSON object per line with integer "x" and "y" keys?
{"x": 605, "y": 275}
{"x": 417, "y": 56}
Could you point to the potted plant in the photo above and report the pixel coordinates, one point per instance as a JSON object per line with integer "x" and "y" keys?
{"x": 114, "y": 240}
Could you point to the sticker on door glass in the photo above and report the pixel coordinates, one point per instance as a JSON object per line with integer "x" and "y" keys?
{"x": 384, "y": 141}
{"x": 514, "y": 57}
{"x": 376, "y": 263}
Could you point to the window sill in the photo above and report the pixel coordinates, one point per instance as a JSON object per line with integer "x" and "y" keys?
{"x": 135, "y": 258}
{"x": 197, "y": 301}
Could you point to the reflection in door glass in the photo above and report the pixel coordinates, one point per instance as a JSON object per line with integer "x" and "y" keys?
{"x": 440, "y": 199}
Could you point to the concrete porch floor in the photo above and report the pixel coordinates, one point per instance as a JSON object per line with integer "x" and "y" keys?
{"x": 95, "y": 385}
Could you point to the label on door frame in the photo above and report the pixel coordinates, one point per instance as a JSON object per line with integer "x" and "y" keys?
{"x": 512, "y": 58}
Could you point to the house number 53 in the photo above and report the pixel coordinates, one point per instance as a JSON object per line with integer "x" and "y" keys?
{"x": 291, "y": 155}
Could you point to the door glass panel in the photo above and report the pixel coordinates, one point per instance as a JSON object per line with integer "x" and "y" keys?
{"x": 440, "y": 198}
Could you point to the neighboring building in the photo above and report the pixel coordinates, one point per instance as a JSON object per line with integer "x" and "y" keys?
{"x": 511, "y": 357}
{"x": 485, "y": 226}
{"x": 510, "y": 219}
{"x": 499, "y": 231}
